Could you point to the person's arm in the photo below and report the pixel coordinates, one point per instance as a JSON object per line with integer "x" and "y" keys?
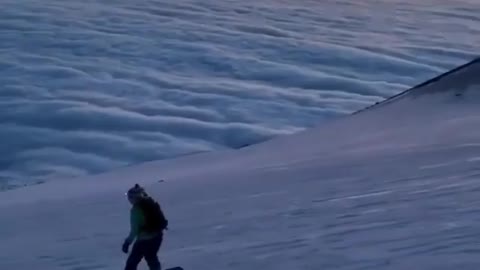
{"x": 136, "y": 220}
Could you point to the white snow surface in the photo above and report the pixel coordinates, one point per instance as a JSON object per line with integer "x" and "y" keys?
{"x": 396, "y": 186}
{"x": 88, "y": 86}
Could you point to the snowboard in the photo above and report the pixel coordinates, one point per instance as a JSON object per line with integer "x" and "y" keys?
{"x": 174, "y": 268}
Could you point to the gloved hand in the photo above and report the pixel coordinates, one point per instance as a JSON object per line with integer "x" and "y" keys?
{"x": 125, "y": 246}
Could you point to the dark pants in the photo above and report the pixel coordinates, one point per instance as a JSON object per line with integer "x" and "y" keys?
{"x": 147, "y": 249}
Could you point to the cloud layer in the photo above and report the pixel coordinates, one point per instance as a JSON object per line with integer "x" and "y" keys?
{"x": 89, "y": 86}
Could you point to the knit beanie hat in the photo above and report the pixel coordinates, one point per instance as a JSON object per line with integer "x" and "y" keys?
{"x": 136, "y": 191}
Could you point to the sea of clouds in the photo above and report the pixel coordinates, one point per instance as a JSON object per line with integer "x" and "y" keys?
{"x": 88, "y": 86}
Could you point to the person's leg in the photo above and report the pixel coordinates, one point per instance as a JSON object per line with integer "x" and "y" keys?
{"x": 151, "y": 251}
{"x": 136, "y": 256}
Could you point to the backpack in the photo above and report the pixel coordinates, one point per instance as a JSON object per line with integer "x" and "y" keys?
{"x": 155, "y": 220}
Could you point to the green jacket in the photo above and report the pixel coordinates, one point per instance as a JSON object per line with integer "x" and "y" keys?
{"x": 137, "y": 220}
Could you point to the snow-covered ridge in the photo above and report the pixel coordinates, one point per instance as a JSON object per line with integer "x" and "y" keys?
{"x": 457, "y": 80}
{"x": 413, "y": 117}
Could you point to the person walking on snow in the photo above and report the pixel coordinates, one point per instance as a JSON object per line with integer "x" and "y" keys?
{"x": 147, "y": 223}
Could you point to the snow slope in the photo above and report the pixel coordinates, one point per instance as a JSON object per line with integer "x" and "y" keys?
{"x": 395, "y": 186}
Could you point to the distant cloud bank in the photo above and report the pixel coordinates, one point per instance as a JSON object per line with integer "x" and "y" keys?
{"x": 88, "y": 87}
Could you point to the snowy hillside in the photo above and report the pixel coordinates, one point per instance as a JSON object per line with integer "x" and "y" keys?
{"x": 392, "y": 187}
